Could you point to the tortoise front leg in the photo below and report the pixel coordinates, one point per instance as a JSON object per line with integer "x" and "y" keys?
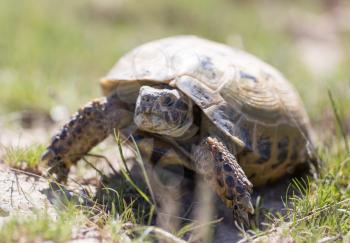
{"x": 88, "y": 127}
{"x": 225, "y": 176}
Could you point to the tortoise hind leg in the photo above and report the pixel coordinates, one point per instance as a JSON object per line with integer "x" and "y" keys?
{"x": 89, "y": 126}
{"x": 225, "y": 176}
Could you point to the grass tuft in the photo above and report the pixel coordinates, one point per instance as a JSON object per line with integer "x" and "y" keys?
{"x": 24, "y": 158}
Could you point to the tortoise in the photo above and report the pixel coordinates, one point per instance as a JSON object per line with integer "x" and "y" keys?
{"x": 215, "y": 109}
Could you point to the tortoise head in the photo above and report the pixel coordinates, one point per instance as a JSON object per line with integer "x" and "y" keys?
{"x": 164, "y": 111}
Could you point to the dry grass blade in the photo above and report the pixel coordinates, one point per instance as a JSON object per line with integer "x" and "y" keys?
{"x": 293, "y": 224}
{"x": 105, "y": 159}
{"x": 320, "y": 210}
{"x": 142, "y": 165}
{"x": 120, "y": 149}
{"x": 126, "y": 172}
{"x": 160, "y": 233}
{"x": 94, "y": 167}
{"x": 339, "y": 121}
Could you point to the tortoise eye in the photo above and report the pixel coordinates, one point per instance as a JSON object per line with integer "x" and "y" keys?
{"x": 167, "y": 101}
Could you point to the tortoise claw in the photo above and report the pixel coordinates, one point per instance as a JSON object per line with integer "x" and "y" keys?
{"x": 57, "y": 165}
{"x": 48, "y": 155}
{"x": 59, "y": 170}
{"x": 247, "y": 204}
{"x": 241, "y": 218}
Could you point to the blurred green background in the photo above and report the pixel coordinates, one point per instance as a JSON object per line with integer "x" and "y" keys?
{"x": 53, "y": 52}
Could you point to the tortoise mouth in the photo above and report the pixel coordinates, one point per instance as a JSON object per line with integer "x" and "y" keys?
{"x": 152, "y": 122}
{"x": 161, "y": 122}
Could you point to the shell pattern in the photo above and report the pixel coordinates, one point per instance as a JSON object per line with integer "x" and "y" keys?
{"x": 248, "y": 103}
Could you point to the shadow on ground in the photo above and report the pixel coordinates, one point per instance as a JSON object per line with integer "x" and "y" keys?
{"x": 180, "y": 200}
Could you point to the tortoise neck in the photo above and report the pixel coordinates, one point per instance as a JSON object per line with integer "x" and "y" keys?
{"x": 116, "y": 113}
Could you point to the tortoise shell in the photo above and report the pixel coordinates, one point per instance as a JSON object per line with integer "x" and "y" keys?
{"x": 246, "y": 102}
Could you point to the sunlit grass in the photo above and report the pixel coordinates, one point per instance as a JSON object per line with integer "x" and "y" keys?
{"x": 26, "y": 158}
{"x": 39, "y": 227}
{"x": 323, "y": 210}
{"x": 74, "y": 222}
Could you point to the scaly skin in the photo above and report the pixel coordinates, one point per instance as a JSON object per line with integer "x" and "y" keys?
{"x": 88, "y": 127}
{"x": 222, "y": 172}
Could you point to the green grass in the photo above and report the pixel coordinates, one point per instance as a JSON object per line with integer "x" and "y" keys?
{"x": 25, "y": 158}
{"x": 320, "y": 208}
{"x": 71, "y": 222}
{"x": 41, "y": 226}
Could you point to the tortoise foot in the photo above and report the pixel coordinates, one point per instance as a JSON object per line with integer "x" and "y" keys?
{"x": 225, "y": 176}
